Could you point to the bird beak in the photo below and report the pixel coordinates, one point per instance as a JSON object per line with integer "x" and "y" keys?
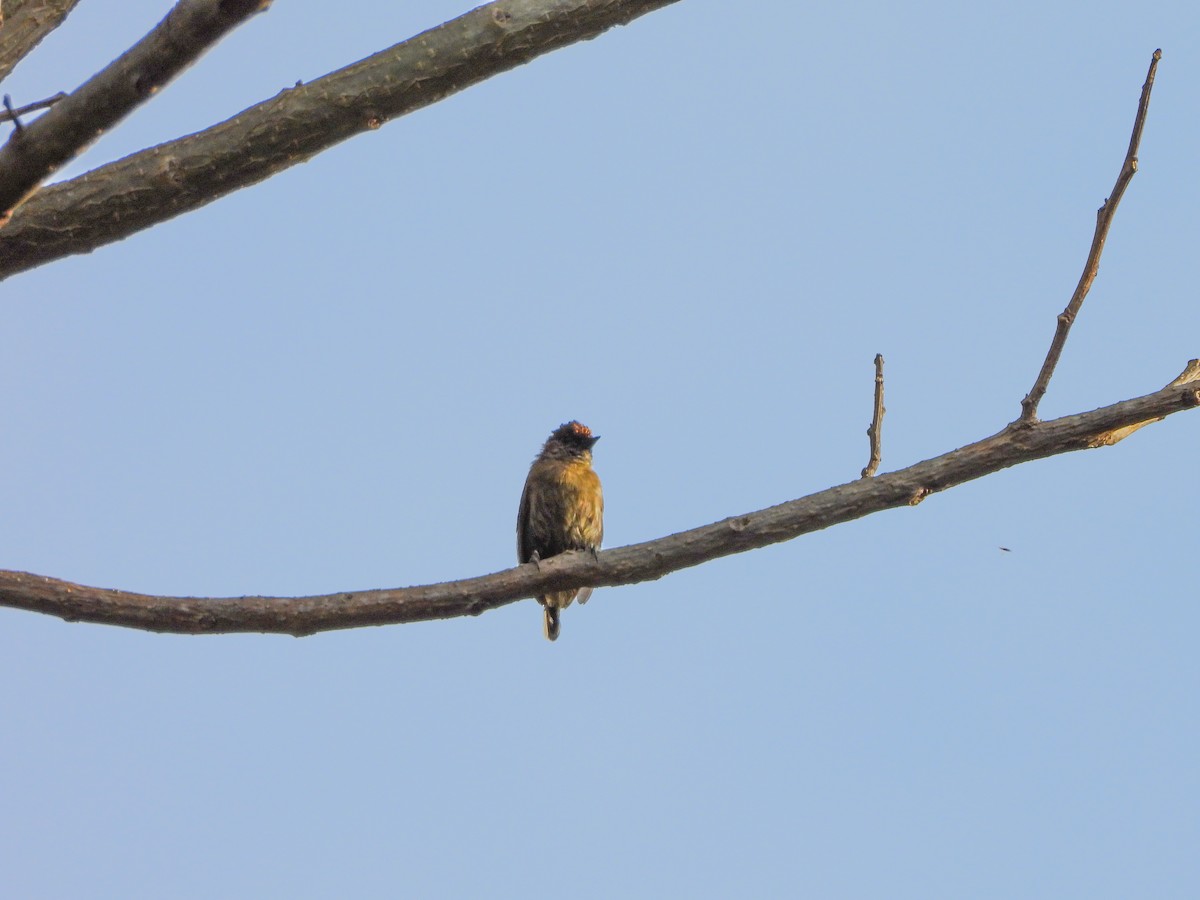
{"x": 595, "y": 437}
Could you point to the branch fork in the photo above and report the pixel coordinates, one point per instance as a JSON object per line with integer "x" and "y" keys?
{"x": 1104, "y": 218}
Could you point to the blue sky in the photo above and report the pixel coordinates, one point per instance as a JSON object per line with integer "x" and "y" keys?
{"x": 693, "y": 234}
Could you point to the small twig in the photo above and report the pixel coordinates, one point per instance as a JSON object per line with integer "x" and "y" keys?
{"x": 13, "y": 114}
{"x": 875, "y": 431}
{"x": 10, "y": 114}
{"x": 1104, "y": 217}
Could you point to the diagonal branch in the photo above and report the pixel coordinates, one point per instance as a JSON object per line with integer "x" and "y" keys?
{"x": 1104, "y": 217}
{"x": 156, "y": 184}
{"x": 35, "y": 152}
{"x": 1017, "y": 443}
{"x": 25, "y": 23}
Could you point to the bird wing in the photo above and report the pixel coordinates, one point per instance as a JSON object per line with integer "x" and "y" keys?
{"x": 524, "y": 544}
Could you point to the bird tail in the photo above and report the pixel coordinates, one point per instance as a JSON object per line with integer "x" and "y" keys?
{"x": 550, "y": 622}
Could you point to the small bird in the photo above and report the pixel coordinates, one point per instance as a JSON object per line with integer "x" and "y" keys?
{"x": 562, "y": 508}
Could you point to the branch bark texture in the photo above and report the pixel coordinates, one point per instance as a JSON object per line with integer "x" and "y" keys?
{"x": 35, "y": 152}
{"x": 122, "y": 198}
{"x": 1018, "y": 443}
{"x": 26, "y": 22}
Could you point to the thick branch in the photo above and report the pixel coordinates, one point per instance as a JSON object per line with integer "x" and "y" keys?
{"x": 1189, "y": 375}
{"x": 33, "y": 153}
{"x": 1017, "y": 443}
{"x": 1104, "y": 218}
{"x": 154, "y": 185}
{"x": 26, "y": 22}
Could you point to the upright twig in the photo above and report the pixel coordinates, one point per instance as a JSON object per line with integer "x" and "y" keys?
{"x": 14, "y": 115}
{"x": 1104, "y": 217}
{"x": 875, "y": 430}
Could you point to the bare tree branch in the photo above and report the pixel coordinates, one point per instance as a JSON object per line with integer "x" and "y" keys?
{"x": 11, "y": 115}
{"x": 1104, "y": 217}
{"x": 1018, "y": 443}
{"x": 26, "y": 22}
{"x": 875, "y": 430}
{"x": 33, "y": 153}
{"x": 156, "y": 184}
{"x": 1189, "y": 375}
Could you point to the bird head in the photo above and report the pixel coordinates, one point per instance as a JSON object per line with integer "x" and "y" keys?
{"x": 574, "y": 436}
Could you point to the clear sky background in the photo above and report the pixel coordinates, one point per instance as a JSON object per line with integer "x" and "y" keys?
{"x": 692, "y": 234}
